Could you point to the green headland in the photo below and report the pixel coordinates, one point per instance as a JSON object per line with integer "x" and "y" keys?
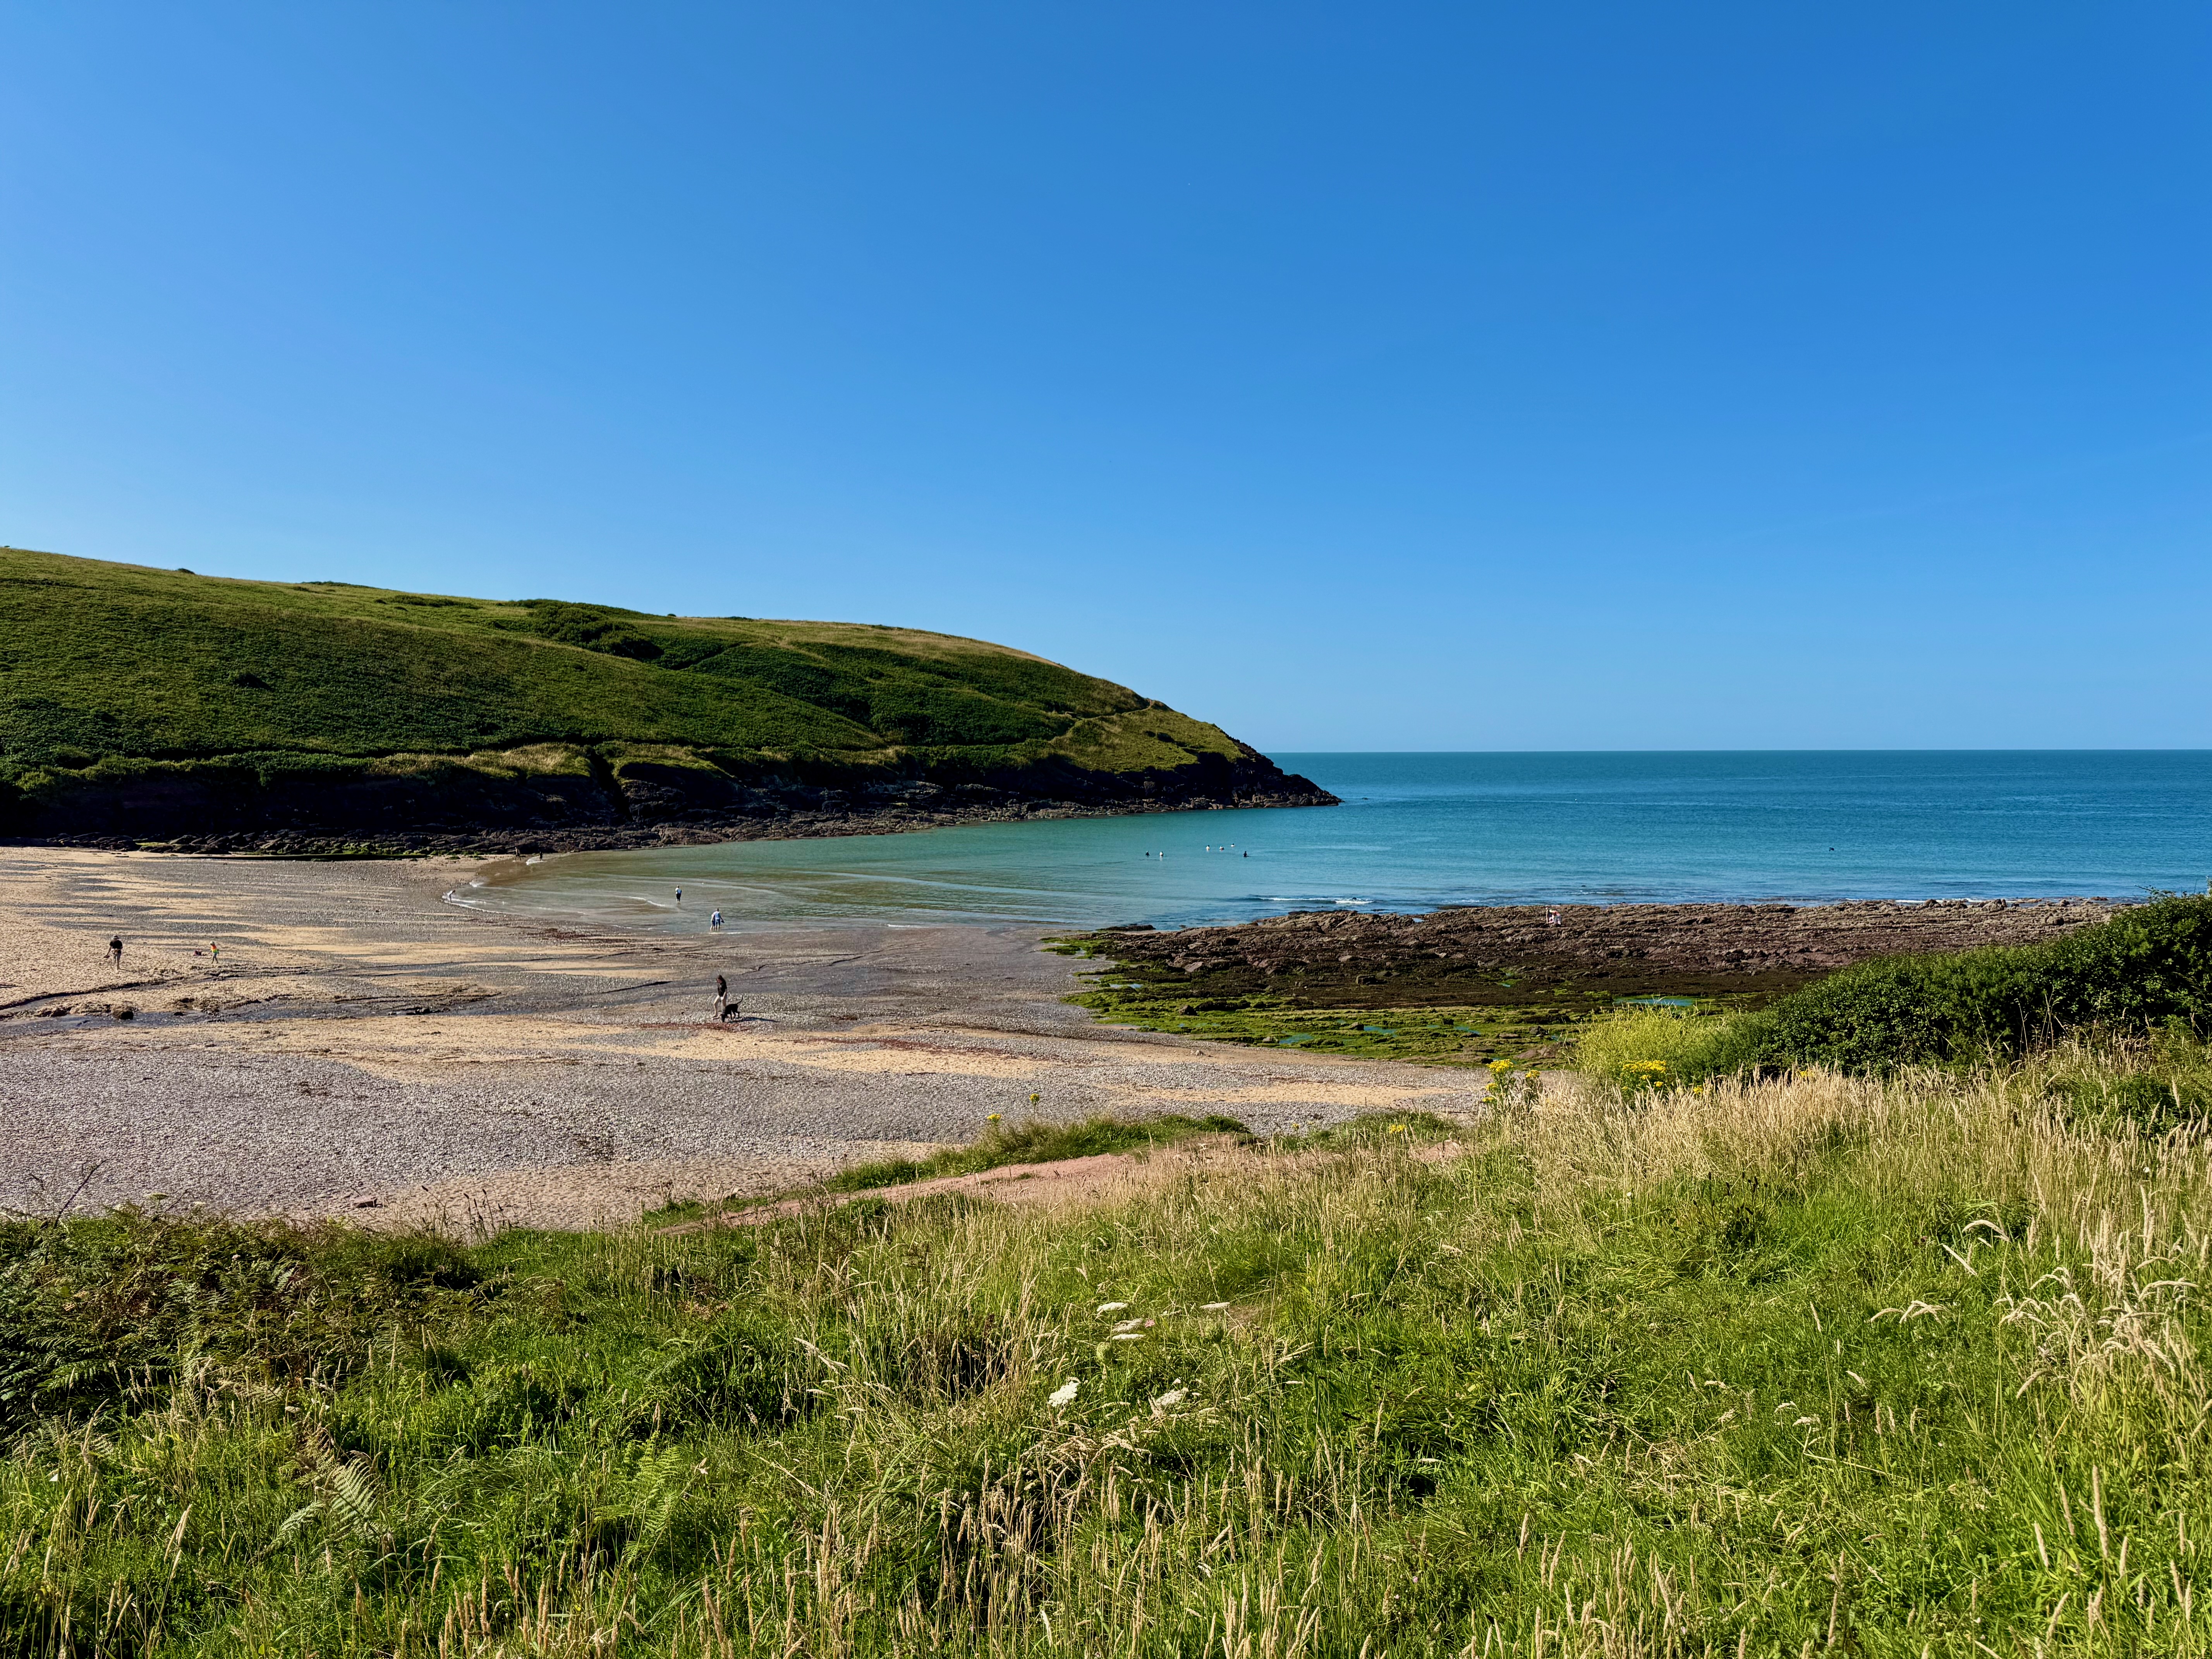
{"x": 139, "y": 704}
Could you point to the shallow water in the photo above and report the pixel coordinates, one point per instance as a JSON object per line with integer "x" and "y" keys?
{"x": 1420, "y": 830}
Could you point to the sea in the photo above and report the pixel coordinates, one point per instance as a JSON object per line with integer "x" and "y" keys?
{"x": 1418, "y": 831}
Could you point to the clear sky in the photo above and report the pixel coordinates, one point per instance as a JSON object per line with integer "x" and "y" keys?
{"x": 1361, "y": 376}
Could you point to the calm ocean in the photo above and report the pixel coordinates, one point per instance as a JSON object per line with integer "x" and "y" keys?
{"x": 1420, "y": 830}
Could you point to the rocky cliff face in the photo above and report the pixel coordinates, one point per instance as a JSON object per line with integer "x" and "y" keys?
{"x": 560, "y": 798}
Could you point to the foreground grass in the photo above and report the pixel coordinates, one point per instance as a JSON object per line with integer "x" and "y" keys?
{"x": 1893, "y": 1367}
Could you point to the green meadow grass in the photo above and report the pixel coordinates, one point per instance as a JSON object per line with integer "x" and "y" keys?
{"x": 1895, "y": 1365}
{"x": 1152, "y": 997}
{"x": 1435, "y": 1036}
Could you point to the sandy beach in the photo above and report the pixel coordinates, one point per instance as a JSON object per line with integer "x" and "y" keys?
{"x": 361, "y": 1048}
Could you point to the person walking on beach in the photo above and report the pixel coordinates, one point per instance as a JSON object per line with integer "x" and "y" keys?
{"x": 679, "y": 895}
{"x": 714, "y": 921}
{"x": 115, "y": 952}
{"x": 721, "y": 993}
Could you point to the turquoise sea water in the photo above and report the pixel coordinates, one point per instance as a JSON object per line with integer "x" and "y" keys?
{"x": 1419, "y": 830}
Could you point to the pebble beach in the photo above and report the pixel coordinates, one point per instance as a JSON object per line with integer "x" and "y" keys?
{"x": 361, "y": 1048}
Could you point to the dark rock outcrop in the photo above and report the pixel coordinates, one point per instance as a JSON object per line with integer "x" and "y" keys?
{"x": 581, "y": 798}
{"x": 1512, "y": 954}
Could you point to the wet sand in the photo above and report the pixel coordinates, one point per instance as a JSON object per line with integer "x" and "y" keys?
{"x": 361, "y": 1048}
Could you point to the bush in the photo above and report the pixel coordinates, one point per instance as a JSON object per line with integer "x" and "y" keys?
{"x": 2153, "y": 1087}
{"x": 2130, "y": 975}
{"x": 591, "y": 628}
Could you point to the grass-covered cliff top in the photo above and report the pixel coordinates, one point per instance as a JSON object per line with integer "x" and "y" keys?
{"x": 165, "y": 707}
{"x": 101, "y": 659}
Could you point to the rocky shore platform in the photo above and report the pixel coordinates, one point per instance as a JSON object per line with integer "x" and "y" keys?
{"x": 1504, "y": 956}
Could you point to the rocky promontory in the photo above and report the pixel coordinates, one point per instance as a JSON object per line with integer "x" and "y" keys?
{"x": 153, "y": 707}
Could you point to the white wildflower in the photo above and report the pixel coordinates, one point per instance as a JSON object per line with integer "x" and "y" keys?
{"x": 1127, "y": 1336}
{"x": 1132, "y": 1324}
{"x": 1172, "y": 1397}
{"x": 1213, "y": 1307}
{"x": 1064, "y": 1394}
{"x": 1112, "y": 1307}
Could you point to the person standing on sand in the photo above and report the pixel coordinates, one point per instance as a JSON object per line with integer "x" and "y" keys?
{"x": 115, "y": 952}
{"x": 721, "y": 993}
{"x": 714, "y": 921}
{"x": 679, "y": 895}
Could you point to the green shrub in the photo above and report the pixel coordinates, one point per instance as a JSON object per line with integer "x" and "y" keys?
{"x": 2130, "y": 975}
{"x": 739, "y": 1372}
{"x": 592, "y": 627}
{"x": 2145, "y": 969}
{"x": 2153, "y": 1087}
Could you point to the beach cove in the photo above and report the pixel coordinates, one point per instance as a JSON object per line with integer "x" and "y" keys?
{"x": 480, "y": 1043}
{"x": 364, "y": 1048}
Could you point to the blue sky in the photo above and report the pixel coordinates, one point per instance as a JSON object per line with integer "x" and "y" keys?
{"x": 1359, "y": 376}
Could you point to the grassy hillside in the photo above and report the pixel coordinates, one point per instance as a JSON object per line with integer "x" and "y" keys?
{"x": 1903, "y": 1367}
{"x": 162, "y": 700}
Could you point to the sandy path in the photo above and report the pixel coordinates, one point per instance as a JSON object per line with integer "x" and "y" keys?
{"x": 363, "y": 1041}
